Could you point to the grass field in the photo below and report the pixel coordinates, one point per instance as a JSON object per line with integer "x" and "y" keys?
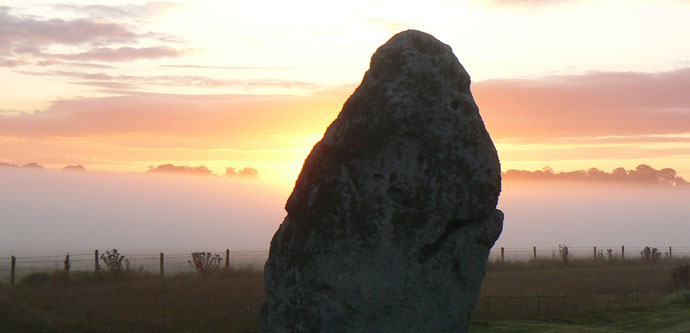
{"x": 230, "y": 301}
{"x": 134, "y": 302}
{"x": 669, "y": 314}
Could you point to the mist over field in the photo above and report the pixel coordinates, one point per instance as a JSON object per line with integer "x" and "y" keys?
{"x": 544, "y": 213}
{"x": 52, "y": 212}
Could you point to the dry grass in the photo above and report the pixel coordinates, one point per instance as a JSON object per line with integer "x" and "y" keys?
{"x": 552, "y": 278}
{"x": 227, "y": 302}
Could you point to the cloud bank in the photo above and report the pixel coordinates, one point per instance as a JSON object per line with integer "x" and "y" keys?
{"x": 27, "y": 40}
{"x": 590, "y": 105}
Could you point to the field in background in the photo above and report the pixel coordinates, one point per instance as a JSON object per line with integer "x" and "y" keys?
{"x": 550, "y": 288}
{"x": 584, "y": 293}
{"x": 134, "y": 302}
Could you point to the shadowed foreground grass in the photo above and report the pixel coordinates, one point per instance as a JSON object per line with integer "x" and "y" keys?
{"x": 671, "y": 314}
{"x": 133, "y": 302}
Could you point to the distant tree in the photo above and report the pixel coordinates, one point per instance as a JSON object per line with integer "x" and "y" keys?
{"x": 205, "y": 262}
{"x": 609, "y": 255}
{"x": 564, "y": 253}
{"x": 650, "y": 255}
{"x": 113, "y": 261}
{"x": 180, "y": 169}
{"x": 245, "y": 173}
{"x": 32, "y": 165}
{"x": 619, "y": 174}
{"x": 74, "y": 168}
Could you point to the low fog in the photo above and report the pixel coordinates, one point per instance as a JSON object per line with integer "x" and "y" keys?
{"x": 47, "y": 211}
{"x": 53, "y": 212}
{"x": 607, "y": 215}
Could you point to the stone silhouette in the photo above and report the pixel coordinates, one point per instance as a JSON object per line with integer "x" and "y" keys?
{"x": 392, "y": 217}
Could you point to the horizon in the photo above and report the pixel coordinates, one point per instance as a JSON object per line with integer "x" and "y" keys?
{"x": 124, "y": 86}
{"x": 240, "y": 94}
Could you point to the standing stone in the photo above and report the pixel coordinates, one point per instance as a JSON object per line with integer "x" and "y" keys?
{"x": 391, "y": 220}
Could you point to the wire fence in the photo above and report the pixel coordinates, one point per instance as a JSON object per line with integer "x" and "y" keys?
{"x": 582, "y": 252}
{"x": 178, "y": 261}
{"x": 488, "y": 308}
{"x": 14, "y": 268}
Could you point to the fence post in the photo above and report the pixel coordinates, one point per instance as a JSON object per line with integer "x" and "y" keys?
{"x": 12, "y": 269}
{"x": 534, "y": 251}
{"x": 96, "y": 266}
{"x": 162, "y": 264}
{"x": 622, "y": 252}
{"x": 67, "y": 264}
{"x": 670, "y": 252}
{"x": 227, "y": 259}
{"x": 595, "y": 252}
{"x": 503, "y": 257}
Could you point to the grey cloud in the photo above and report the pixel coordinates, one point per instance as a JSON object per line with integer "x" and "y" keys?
{"x": 29, "y": 30}
{"x": 25, "y": 40}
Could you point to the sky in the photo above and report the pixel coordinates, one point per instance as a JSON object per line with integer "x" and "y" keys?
{"x": 124, "y": 85}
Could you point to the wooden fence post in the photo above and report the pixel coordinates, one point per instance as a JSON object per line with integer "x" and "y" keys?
{"x": 623, "y": 252}
{"x": 503, "y": 257}
{"x": 227, "y": 259}
{"x": 12, "y": 270}
{"x": 670, "y": 252}
{"x": 162, "y": 264}
{"x": 534, "y": 251}
{"x": 595, "y": 252}
{"x": 68, "y": 265}
{"x": 96, "y": 266}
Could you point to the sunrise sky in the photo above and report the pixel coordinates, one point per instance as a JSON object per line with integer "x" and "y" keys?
{"x": 127, "y": 85}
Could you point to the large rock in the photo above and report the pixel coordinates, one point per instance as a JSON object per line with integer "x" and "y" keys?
{"x": 392, "y": 217}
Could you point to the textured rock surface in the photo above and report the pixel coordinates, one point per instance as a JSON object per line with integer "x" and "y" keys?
{"x": 392, "y": 217}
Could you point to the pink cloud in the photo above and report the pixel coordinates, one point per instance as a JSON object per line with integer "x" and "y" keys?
{"x": 169, "y": 114}
{"x": 132, "y": 81}
{"x": 123, "y": 54}
{"x": 594, "y": 104}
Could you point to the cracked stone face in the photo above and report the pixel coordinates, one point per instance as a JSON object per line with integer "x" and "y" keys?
{"x": 391, "y": 220}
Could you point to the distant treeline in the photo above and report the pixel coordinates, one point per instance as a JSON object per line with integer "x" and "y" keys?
{"x": 163, "y": 168}
{"x": 203, "y": 171}
{"x": 643, "y": 174}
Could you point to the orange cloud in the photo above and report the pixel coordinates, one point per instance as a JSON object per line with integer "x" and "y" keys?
{"x": 170, "y": 114}
{"x": 594, "y": 105}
